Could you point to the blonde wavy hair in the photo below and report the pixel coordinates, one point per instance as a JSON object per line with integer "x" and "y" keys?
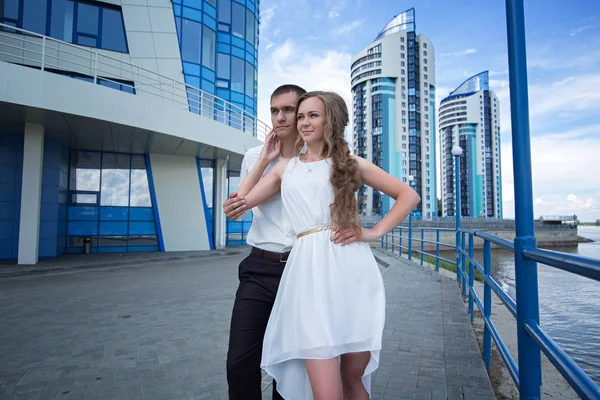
{"x": 344, "y": 177}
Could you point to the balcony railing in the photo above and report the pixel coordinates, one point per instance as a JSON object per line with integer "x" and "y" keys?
{"x": 19, "y": 46}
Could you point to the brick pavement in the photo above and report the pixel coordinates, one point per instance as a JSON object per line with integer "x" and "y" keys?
{"x": 160, "y": 331}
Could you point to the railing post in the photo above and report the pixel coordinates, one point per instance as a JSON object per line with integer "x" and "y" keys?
{"x": 173, "y": 93}
{"x": 456, "y": 152}
{"x": 386, "y": 243}
{"x": 400, "y": 245}
{"x": 487, "y": 304}
{"x": 95, "y": 67}
{"x": 422, "y": 245}
{"x": 463, "y": 244}
{"x": 526, "y": 282}
{"x": 471, "y": 277}
{"x": 392, "y": 241}
{"x": 437, "y": 250}
{"x": 43, "y": 61}
{"x": 410, "y": 236}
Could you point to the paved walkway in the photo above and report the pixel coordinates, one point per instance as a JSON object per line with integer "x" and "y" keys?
{"x": 160, "y": 331}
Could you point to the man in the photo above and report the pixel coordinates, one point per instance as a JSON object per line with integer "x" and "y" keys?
{"x": 261, "y": 271}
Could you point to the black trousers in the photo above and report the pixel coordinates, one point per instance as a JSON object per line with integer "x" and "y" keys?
{"x": 259, "y": 280}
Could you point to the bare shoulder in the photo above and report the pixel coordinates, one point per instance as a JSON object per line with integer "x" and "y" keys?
{"x": 362, "y": 163}
{"x": 281, "y": 166}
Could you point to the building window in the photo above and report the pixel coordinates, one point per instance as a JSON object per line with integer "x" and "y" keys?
{"x": 424, "y": 45}
{"x": 425, "y": 69}
{"x": 249, "y": 80}
{"x": 237, "y": 74}
{"x": 223, "y": 64}
{"x": 424, "y": 61}
{"x": 402, "y": 64}
{"x": 225, "y": 11}
{"x": 93, "y": 25}
{"x": 209, "y": 41}
{"x": 425, "y": 53}
{"x": 425, "y": 76}
{"x": 191, "y": 33}
{"x": 250, "y": 27}
{"x": 238, "y": 20}
{"x": 402, "y": 47}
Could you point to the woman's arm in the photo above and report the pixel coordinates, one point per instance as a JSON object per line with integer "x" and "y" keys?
{"x": 262, "y": 191}
{"x": 378, "y": 179}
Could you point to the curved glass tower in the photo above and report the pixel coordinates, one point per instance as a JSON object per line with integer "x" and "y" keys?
{"x": 219, "y": 48}
{"x": 393, "y": 88}
{"x": 469, "y": 117}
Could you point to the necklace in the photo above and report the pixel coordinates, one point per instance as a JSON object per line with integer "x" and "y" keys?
{"x": 315, "y": 163}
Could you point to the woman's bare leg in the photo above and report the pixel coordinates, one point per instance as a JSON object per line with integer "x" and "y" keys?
{"x": 325, "y": 379}
{"x": 352, "y": 369}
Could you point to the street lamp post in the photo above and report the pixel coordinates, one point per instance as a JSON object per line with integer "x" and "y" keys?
{"x": 457, "y": 152}
{"x": 411, "y": 180}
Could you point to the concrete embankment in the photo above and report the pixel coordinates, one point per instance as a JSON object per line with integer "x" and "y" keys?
{"x": 546, "y": 235}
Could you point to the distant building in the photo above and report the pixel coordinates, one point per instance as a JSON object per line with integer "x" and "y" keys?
{"x": 469, "y": 117}
{"x": 393, "y": 89}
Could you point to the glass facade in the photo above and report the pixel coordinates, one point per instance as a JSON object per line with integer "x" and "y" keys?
{"x": 219, "y": 48}
{"x": 109, "y": 203}
{"x": 401, "y": 22}
{"x": 92, "y": 24}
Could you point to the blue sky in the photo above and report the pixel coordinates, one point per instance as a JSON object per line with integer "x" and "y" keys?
{"x": 311, "y": 42}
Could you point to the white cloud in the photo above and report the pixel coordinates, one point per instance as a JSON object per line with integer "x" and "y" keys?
{"x": 333, "y": 14}
{"x": 346, "y": 29}
{"x": 564, "y": 181}
{"x": 266, "y": 16}
{"x": 459, "y": 53}
{"x": 566, "y": 97}
{"x": 312, "y": 70}
{"x": 577, "y": 31}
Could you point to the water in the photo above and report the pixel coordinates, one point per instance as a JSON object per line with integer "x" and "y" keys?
{"x": 569, "y": 304}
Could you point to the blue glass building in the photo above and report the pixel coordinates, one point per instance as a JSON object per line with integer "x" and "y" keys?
{"x": 111, "y": 176}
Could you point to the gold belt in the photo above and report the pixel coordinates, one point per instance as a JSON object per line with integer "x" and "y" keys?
{"x": 314, "y": 230}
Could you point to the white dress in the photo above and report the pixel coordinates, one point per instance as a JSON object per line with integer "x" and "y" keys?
{"x": 331, "y": 298}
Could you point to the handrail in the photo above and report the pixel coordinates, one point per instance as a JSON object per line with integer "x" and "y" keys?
{"x": 400, "y": 239}
{"x": 29, "y": 48}
{"x": 582, "y": 266}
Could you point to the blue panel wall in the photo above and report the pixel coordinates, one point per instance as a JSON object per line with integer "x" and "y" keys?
{"x": 53, "y": 208}
{"x": 11, "y": 172}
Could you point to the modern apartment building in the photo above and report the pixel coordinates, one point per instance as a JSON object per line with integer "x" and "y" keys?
{"x": 469, "y": 118}
{"x": 120, "y": 121}
{"x": 393, "y": 89}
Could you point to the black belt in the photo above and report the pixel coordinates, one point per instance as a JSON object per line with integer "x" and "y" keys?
{"x": 270, "y": 255}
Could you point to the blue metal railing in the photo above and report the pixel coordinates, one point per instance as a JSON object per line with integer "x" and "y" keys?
{"x": 466, "y": 265}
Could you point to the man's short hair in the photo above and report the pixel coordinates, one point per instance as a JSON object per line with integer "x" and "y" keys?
{"x": 287, "y": 88}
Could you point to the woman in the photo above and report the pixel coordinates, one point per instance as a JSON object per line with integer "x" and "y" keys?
{"x": 324, "y": 335}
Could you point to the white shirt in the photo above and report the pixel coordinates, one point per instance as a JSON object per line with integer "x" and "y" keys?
{"x": 267, "y": 230}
